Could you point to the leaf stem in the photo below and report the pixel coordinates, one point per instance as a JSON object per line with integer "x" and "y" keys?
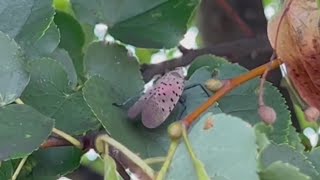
{"x": 18, "y": 101}
{"x": 21, "y": 163}
{"x": 155, "y": 160}
{"x": 201, "y": 171}
{"x": 232, "y": 84}
{"x": 164, "y": 169}
{"x": 68, "y": 137}
{"x": 132, "y": 156}
{"x": 109, "y": 164}
{"x": 233, "y": 15}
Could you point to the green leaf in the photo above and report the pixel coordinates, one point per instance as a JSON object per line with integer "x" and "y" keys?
{"x": 243, "y": 101}
{"x": 62, "y": 56}
{"x": 6, "y": 170}
{"x": 144, "y": 55}
{"x": 10, "y": 166}
{"x": 22, "y": 130}
{"x": 279, "y": 171}
{"x": 45, "y": 44}
{"x": 142, "y": 23}
{"x": 287, "y": 154}
{"x": 262, "y": 134}
{"x": 224, "y": 152}
{"x": 294, "y": 139}
{"x": 110, "y": 169}
{"x": 63, "y": 5}
{"x": 113, "y": 64}
{"x": 37, "y": 35}
{"x": 72, "y": 38}
{"x": 313, "y": 156}
{"x": 52, "y": 163}
{"x": 14, "y": 11}
{"x": 49, "y": 92}
{"x": 210, "y": 61}
{"x": 100, "y": 94}
{"x": 13, "y": 77}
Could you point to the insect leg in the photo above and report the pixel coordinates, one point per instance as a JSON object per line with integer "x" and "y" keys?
{"x": 128, "y": 102}
{"x": 201, "y": 86}
{"x": 184, "y": 107}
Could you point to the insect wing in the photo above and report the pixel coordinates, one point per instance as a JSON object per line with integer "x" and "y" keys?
{"x": 165, "y": 96}
{"x": 137, "y": 107}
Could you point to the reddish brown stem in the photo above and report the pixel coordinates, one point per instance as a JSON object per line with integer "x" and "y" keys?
{"x": 232, "y": 84}
{"x": 234, "y": 16}
{"x": 55, "y": 142}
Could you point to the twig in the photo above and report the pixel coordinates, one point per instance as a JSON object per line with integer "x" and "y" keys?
{"x": 154, "y": 160}
{"x": 16, "y": 173}
{"x": 102, "y": 139}
{"x": 232, "y": 84}
{"x": 165, "y": 167}
{"x": 67, "y": 137}
{"x": 264, "y": 76}
{"x": 235, "y": 17}
{"x": 234, "y": 51}
{"x": 53, "y": 141}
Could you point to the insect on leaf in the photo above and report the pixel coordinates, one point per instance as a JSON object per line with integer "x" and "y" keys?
{"x": 158, "y": 102}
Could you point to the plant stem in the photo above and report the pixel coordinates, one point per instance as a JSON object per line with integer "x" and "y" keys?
{"x": 18, "y": 101}
{"x": 232, "y": 84}
{"x": 132, "y": 156}
{"x": 155, "y": 160}
{"x": 235, "y": 17}
{"x": 16, "y": 173}
{"x": 67, "y": 137}
{"x": 201, "y": 171}
{"x": 110, "y": 171}
{"x": 164, "y": 169}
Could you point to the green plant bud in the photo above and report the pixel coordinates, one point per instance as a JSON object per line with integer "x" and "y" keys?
{"x": 175, "y": 130}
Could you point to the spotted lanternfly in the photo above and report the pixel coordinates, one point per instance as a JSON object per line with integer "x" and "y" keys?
{"x": 157, "y": 103}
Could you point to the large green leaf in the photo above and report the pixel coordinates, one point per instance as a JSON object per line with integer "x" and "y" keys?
{"x": 14, "y": 15}
{"x": 22, "y": 130}
{"x": 313, "y": 156}
{"x": 227, "y": 150}
{"x": 287, "y": 154}
{"x": 142, "y": 23}
{"x": 6, "y": 170}
{"x": 50, "y": 164}
{"x": 49, "y": 92}
{"x": 45, "y": 44}
{"x": 113, "y": 64}
{"x": 72, "y": 38}
{"x": 243, "y": 101}
{"x": 279, "y": 171}
{"x": 30, "y": 23}
{"x": 13, "y": 77}
{"x": 294, "y": 139}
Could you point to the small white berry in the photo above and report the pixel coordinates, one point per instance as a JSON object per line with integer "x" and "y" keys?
{"x": 92, "y": 155}
{"x": 100, "y": 30}
{"x": 312, "y": 136}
